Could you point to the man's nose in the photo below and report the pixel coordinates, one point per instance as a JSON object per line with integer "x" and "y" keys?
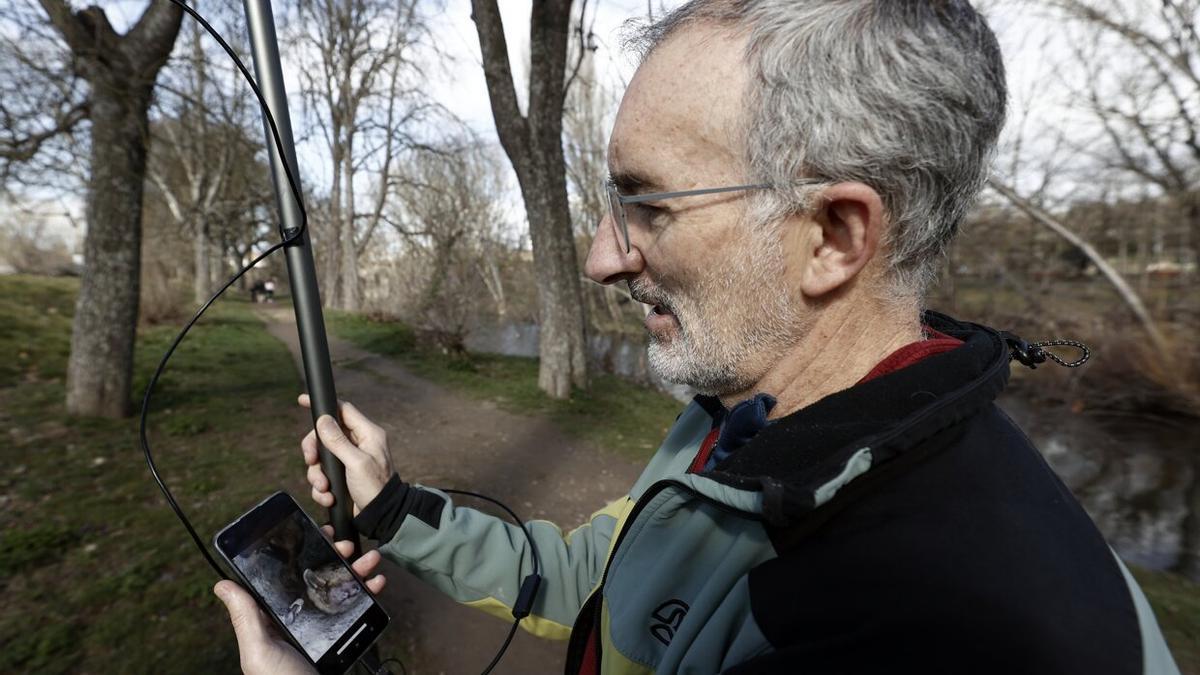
{"x": 607, "y": 261}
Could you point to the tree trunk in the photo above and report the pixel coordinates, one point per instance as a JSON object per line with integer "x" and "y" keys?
{"x": 100, "y": 369}
{"x": 202, "y": 283}
{"x": 562, "y": 347}
{"x": 442, "y": 253}
{"x": 534, "y": 147}
{"x": 120, "y": 71}
{"x": 349, "y": 249}
{"x": 495, "y": 285}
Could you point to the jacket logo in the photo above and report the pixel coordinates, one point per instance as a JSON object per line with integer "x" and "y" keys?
{"x": 666, "y": 618}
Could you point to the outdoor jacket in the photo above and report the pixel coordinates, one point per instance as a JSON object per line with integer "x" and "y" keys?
{"x": 904, "y": 524}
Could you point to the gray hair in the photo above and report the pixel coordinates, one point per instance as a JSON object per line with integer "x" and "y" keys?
{"x": 906, "y": 96}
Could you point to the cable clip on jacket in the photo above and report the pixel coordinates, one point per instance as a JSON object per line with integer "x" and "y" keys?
{"x": 1032, "y": 353}
{"x": 524, "y": 604}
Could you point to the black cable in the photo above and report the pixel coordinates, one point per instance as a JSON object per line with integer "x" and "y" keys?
{"x": 266, "y": 111}
{"x": 537, "y": 567}
{"x": 398, "y": 662}
{"x": 528, "y": 590}
{"x": 503, "y": 648}
{"x": 146, "y": 408}
{"x": 524, "y": 601}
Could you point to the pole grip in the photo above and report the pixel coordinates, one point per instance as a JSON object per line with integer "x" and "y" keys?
{"x": 306, "y": 297}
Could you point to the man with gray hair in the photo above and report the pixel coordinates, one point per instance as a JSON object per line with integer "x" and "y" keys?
{"x": 843, "y": 496}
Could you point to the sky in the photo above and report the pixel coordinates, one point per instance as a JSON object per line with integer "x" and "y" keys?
{"x": 1021, "y": 35}
{"x": 465, "y": 92}
{"x": 1032, "y": 46}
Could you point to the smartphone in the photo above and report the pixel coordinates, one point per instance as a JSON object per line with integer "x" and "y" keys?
{"x": 302, "y": 583}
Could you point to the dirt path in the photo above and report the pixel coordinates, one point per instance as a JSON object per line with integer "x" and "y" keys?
{"x": 443, "y": 439}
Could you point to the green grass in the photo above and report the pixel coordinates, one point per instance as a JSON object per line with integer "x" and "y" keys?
{"x": 96, "y": 573}
{"x": 35, "y": 333}
{"x": 1176, "y": 603}
{"x": 613, "y": 414}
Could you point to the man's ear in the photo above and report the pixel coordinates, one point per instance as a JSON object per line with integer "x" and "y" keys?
{"x": 846, "y": 228}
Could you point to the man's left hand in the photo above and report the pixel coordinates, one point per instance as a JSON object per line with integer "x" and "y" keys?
{"x": 261, "y": 647}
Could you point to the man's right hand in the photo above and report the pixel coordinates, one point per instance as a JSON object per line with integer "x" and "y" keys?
{"x": 364, "y": 454}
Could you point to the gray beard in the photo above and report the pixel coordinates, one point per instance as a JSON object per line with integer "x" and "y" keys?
{"x": 709, "y": 379}
{"x": 710, "y": 353}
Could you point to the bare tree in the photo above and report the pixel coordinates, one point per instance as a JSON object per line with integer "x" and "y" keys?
{"x": 362, "y": 83}
{"x": 1127, "y": 294}
{"x": 43, "y": 102}
{"x": 200, "y": 144}
{"x": 446, "y": 211}
{"x": 120, "y": 73}
{"x": 1142, "y": 85}
{"x": 533, "y": 143}
{"x": 587, "y": 118}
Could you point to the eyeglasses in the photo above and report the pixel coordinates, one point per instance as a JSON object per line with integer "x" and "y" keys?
{"x": 617, "y": 201}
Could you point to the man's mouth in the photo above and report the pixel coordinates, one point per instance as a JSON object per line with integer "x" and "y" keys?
{"x": 655, "y": 300}
{"x": 661, "y": 317}
{"x": 661, "y": 321}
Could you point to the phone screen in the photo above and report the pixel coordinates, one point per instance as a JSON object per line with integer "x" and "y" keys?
{"x": 299, "y": 576}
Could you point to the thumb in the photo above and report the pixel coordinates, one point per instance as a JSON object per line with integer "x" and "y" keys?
{"x": 244, "y": 614}
{"x": 332, "y": 438}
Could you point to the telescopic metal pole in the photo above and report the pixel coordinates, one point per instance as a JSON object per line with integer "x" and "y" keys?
{"x": 306, "y": 298}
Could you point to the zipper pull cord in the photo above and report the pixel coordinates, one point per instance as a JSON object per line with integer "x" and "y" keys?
{"x": 1032, "y": 353}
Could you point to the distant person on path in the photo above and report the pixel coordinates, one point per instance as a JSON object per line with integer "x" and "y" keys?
{"x": 843, "y": 496}
{"x": 269, "y": 289}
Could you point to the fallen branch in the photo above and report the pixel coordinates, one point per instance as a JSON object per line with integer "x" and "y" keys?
{"x": 1118, "y": 282}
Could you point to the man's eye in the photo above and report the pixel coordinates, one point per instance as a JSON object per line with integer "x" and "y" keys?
{"x": 651, "y": 215}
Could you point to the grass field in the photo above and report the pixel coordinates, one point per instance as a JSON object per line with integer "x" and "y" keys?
{"x": 96, "y": 573}
{"x": 1176, "y": 603}
{"x": 613, "y": 413}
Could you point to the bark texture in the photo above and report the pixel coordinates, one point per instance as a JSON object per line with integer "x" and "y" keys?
{"x": 533, "y": 144}
{"x": 202, "y": 282}
{"x": 120, "y": 71}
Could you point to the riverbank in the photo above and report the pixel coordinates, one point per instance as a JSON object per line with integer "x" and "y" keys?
{"x": 613, "y": 413}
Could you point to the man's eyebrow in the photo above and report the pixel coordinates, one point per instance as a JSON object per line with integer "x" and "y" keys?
{"x": 632, "y": 183}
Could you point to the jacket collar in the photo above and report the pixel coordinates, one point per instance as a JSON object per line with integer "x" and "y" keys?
{"x": 801, "y": 460}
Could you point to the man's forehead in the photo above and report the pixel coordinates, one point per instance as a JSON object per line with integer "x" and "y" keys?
{"x": 682, "y": 109}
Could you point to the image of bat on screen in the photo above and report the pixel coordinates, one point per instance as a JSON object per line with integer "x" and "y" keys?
{"x": 329, "y": 588}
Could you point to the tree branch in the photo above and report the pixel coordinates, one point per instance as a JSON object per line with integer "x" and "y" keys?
{"x": 78, "y": 35}
{"x": 148, "y": 44}
{"x": 23, "y": 149}
{"x": 549, "y": 24}
{"x": 1131, "y": 298}
{"x": 497, "y": 72}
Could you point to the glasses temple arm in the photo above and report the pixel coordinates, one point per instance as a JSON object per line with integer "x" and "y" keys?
{"x": 637, "y": 199}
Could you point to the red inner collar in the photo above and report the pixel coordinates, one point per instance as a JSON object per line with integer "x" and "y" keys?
{"x": 913, "y": 352}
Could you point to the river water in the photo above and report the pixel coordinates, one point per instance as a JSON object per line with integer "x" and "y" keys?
{"x": 1131, "y": 476}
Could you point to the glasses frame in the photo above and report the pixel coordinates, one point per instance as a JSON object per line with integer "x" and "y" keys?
{"x": 617, "y": 201}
